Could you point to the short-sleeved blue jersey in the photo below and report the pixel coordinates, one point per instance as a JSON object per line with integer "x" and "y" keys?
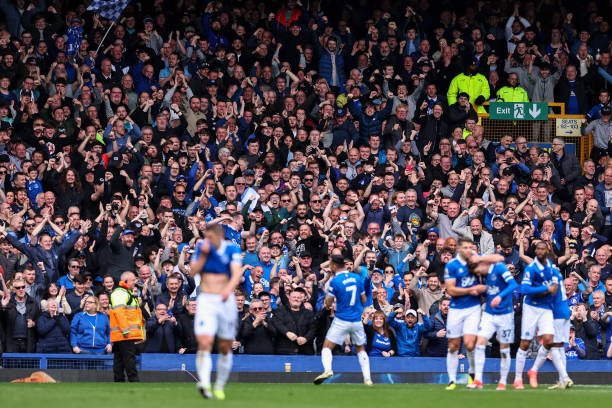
{"x": 218, "y": 260}
{"x": 347, "y": 288}
{"x": 232, "y": 235}
{"x": 498, "y": 279}
{"x": 457, "y": 270}
{"x": 537, "y": 275}
{"x": 561, "y": 309}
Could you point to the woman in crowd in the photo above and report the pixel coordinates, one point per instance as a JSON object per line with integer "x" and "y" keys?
{"x": 90, "y": 329}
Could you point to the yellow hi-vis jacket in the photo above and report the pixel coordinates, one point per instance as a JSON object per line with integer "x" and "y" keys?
{"x": 474, "y": 85}
{"x": 126, "y": 322}
{"x": 510, "y": 94}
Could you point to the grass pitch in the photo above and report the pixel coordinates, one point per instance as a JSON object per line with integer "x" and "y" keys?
{"x": 183, "y": 395}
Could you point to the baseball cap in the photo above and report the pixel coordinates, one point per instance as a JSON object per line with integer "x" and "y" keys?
{"x": 147, "y": 20}
{"x": 341, "y": 112}
{"x": 249, "y": 172}
{"x": 500, "y": 150}
{"x": 498, "y": 217}
{"x": 434, "y": 230}
{"x": 127, "y": 232}
{"x": 606, "y": 110}
{"x": 139, "y": 256}
{"x": 411, "y": 312}
{"x": 181, "y": 178}
{"x": 305, "y": 254}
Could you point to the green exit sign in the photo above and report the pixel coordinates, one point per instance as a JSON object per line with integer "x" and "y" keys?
{"x": 518, "y": 111}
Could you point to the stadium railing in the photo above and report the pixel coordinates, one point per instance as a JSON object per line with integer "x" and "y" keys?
{"x": 539, "y": 133}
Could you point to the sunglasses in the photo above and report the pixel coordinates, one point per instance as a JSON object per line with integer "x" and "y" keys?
{"x": 257, "y": 308}
{"x": 286, "y": 201}
{"x": 308, "y": 179}
{"x": 315, "y": 201}
{"x": 18, "y": 287}
{"x": 179, "y": 192}
{"x": 30, "y": 225}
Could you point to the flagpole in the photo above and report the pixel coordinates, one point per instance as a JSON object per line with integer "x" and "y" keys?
{"x": 104, "y": 38}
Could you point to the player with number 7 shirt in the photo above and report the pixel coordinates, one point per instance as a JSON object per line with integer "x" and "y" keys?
{"x": 347, "y": 290}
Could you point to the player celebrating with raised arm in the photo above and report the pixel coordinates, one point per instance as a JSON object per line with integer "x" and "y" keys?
{"x": 498, "y": 317}
{"x": 219, "y": 263}
{"x": 348, "y": 291}
{"x": 539, "y": 285}
{"x": 464, "y": 312}
{"x": 561, "y": 322}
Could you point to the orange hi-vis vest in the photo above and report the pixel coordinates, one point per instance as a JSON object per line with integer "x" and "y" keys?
{"x": 125, "y": 316}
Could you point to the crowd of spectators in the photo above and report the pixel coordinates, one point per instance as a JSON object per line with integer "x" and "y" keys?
{"x": 306, "y": 129}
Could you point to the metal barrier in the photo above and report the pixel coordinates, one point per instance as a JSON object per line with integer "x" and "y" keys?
{"x": 537, "y": 131}
{"x": 58, "y": 361}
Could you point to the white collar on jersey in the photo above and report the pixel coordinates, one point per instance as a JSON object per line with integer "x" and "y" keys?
{"x": 460, "y": 259}
{"x": 539, "y": 265}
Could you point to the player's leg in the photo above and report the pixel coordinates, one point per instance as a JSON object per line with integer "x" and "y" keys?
{"x": 205, "y": 330}
{"x": 479, "y": 361}
{"x": 504, "y": 365}
{"x": 224, "y": 367}
{"x": 327, "y": 361}
{"x": 452, "y": 362}
{"x": 486, "y": 330}
{"x": 505, "y": 334}
{"x": 204, "y": 364}
{"x": 358, "y": 338}
{"x": 336, "y": 334}
{"x": 528, "y": 328}
{"x": 546, "y": 328}
{"x": 453, "y": 334}
{"x": 562, "y": 328}
{"x": 227, "y": 316}
{"x": 470, "y": 330}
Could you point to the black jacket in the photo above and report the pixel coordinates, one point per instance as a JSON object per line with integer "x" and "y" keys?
{"x": 581, "y": 89}
{"x": 301, "y": 323}
{"x": 158, "y": 334}
{"x": 257, "y": 340}
{"x": 122, "y": 258}
{"x": 188, "y": 338}
{"x": 9, "y": 317}
{"x": 588, "y": 331}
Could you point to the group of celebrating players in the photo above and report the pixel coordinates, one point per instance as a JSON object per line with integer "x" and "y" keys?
{"x": 468, "y": 277}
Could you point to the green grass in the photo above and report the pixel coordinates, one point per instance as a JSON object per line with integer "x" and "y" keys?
{"x": 182, "y": 395}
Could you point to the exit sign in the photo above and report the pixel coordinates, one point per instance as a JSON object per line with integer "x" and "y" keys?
{"x": 518, "y": 111}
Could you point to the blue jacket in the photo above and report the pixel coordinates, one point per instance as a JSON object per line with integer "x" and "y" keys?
{"x": 52, "y": 334}
{"x": 91, "y": 338}
{"x": 409, "y": 339}
{"x": 436, "y": 346}
{"x": 326, "y": 68}
{"x": 369, "y": 125}
{"x": 50, "y": 258}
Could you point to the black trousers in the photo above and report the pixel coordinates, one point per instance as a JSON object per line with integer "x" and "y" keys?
{"x": 124, "y": 362}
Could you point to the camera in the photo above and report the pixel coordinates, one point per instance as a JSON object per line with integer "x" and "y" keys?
{"x": 115, "y": 206}
{"x": 371, "y": 265}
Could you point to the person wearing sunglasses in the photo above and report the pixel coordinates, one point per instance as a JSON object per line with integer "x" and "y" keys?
{"x": 21, "y": 313}
{"x": 256, "y": 333}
